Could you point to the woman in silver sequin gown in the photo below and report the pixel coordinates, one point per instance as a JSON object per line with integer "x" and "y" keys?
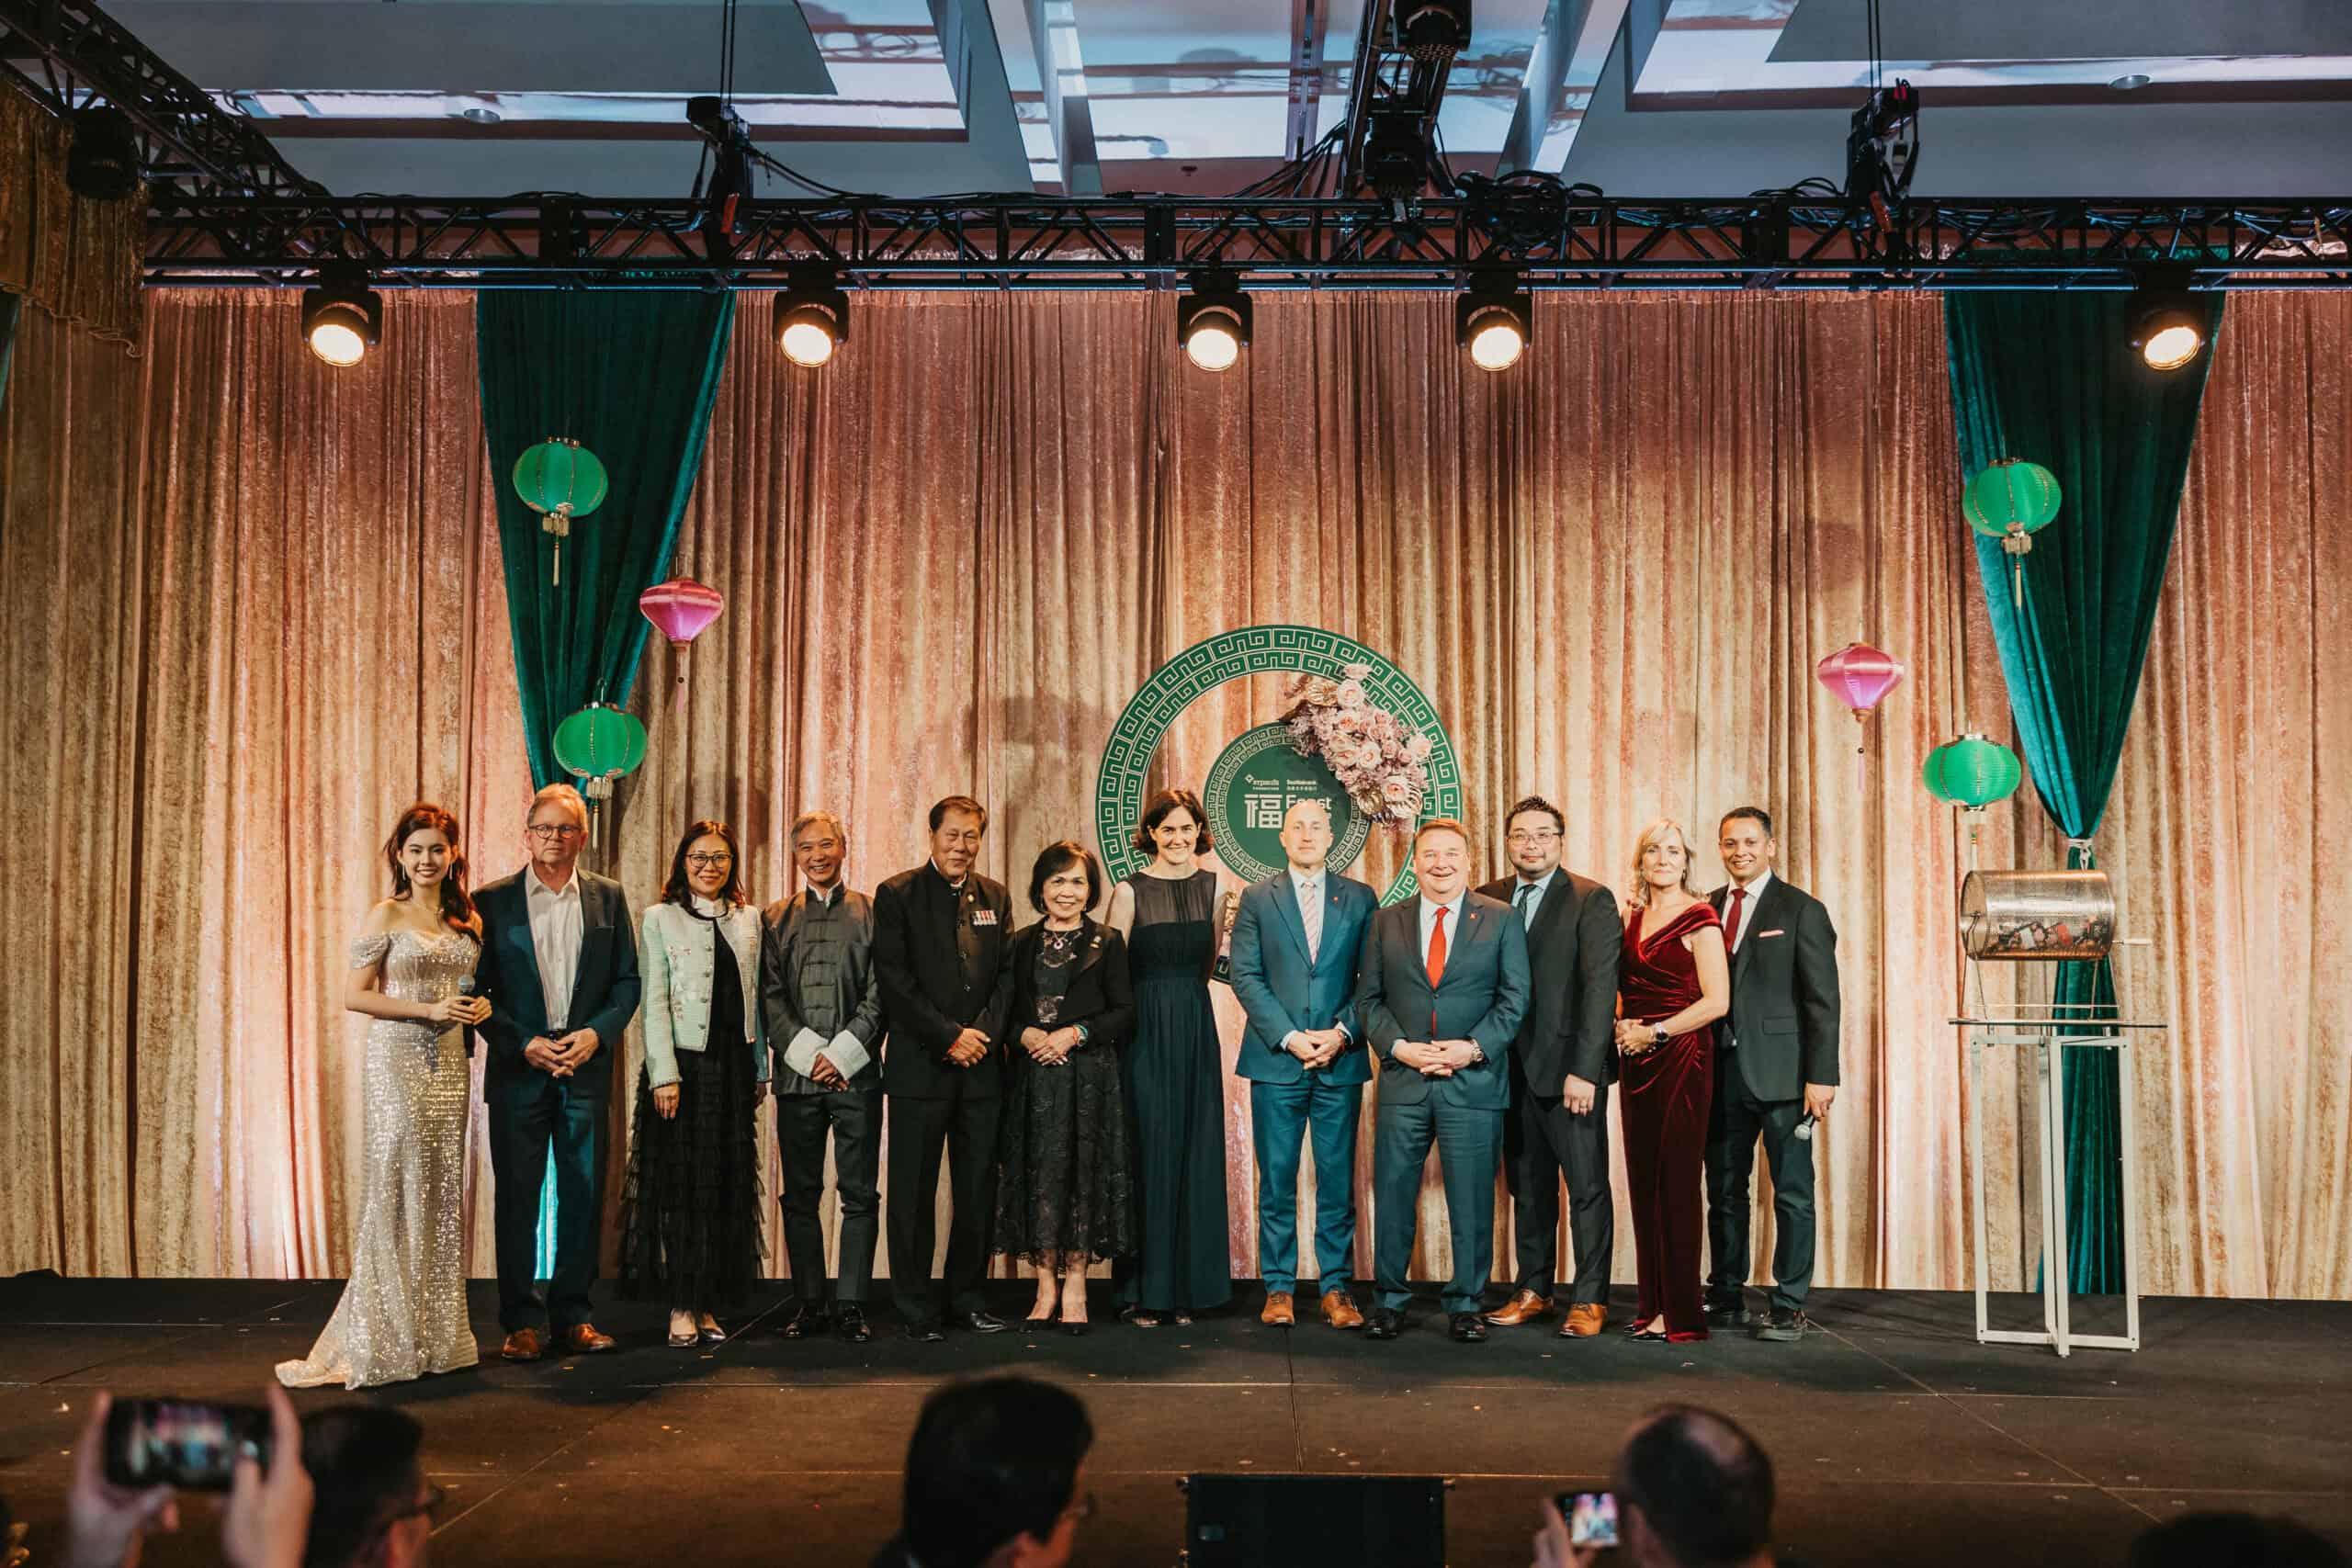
{"x": 403, "y": 1312}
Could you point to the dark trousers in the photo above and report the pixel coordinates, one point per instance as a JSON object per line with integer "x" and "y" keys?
{"x": 1738, "y": 1119}
{"x": 1469, "y": 1146}
{"x": 964, "y": 1129}
{"x": 1542, "y": 1143}
{"x": 530, "y": 1113}
{"x": 1282, "y": 1115}
{"x": 853, "y": 1117}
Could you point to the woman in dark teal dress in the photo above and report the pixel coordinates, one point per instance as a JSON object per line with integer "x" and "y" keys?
{"x": 1174, "y": 1070}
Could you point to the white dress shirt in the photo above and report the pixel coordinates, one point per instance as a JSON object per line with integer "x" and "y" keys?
{"x": 1543, "y": 885}
{"x": 1452, "y": 924}
{"x": 1746, "y": 910}
{"x": 556, "y": 924}
{"x": 1307, "y": 888}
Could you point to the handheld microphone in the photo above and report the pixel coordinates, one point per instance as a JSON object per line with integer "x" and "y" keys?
{"x": 1804, "y": 1128}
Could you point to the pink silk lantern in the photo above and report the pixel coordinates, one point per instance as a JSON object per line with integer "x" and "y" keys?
{"x": 1860, "y": 676}
{"x": 681, "y": 610}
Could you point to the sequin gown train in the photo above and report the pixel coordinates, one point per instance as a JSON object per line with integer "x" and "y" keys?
{"x": 403, "y": 1312}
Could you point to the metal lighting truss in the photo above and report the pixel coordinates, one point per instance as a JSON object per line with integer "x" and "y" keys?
{"x": 67, "y": 54}
{"x": 1022, "y": 242}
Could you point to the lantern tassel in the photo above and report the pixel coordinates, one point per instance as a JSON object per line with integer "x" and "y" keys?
{"x": 680, "y": 649}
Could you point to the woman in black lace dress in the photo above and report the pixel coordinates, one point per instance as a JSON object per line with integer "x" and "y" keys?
{"x": 1066, "y": 1192}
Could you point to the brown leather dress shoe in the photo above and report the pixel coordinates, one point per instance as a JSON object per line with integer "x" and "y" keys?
{"x": 1584, "y": 1321}
{"x": 523, "y": 1345}
{"x": 1340, "y": 1311}
{"x": 1278, "y": 1313}
{"x": 1524, "y": 1307}
{"x": 581, "y": 1340}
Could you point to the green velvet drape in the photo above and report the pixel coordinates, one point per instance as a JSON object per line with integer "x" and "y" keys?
{"x": 2052, "y": 378}
{"x": 630, "y": 376}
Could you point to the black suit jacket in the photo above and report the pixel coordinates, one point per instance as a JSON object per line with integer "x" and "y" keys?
{"x": 1099, "y": 994}
{"x": 940, "y": 960}
{"x": 1785, "y": 1015}
{"x": 604, "y": 984}
{"x": 1572, "y": 955}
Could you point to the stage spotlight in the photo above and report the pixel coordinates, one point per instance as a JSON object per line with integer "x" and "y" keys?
{"x": 341, "y": 318}
{"x": 1433, "y": 31}
{"x": 2167, "y": 326}
{"x": 1212, "y": 322}
{"x": 102, "y": 163}
{"x": 1494, "y": 321}
{"x": 812, "y": 318}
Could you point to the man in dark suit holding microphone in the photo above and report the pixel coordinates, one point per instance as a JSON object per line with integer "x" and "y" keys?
{"x": 1296, "y": 942}
{"x": 1776, "y": 1075}
{"x": 1443, "y": 987}
{"x": 940, "y": 932}
{"x": 1560, "y": 1068}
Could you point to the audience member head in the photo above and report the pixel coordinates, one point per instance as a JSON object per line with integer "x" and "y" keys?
{"x": 957, "y": 824}
{"x": 428, "y": 860}
{"x": 1744, "y": 837}
{"x": 820, "y": 845}
{"x": 1441, "y": 859}
{"x": 557, "y": 830}
{"x": 993, "y": 1475}
{"x": 708, "y": 863}
{"x": 1306, "y": 833}
{"x": 2232, "y": 1541}
{"x": 1532, "y": 835}
{"x": 371, "y": 1507}
{"x": 1693, "y": 1490}
{"x": 1661, "y": 860}
{"x": 1065, "y": 882}
{"x": 1175, "y": 828}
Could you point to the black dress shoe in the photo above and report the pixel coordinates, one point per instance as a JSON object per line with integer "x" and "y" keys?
{"x": 850, "y": 1324}
{"x": 1466, "y": 1329}
{"x": 1384, "y": 1323}
{"x": 1728, "y": 1314}
{"x": 1786, "y": 1326}
{"x": 979, "y": 1322}
{"x": 925, "y": 1330}
{"x": 805, "y": 1323}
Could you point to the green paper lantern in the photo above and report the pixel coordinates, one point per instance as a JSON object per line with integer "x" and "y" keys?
{"x": 597, "y": 745}
{"x": 1972, "y": 772}
{"x": 561, "y": 479}
{"x": 2010, "y": 500}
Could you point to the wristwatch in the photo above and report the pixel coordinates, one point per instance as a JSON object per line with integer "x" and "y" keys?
{"x": 1660, "y": 1035}
{"x": 1082, "y": 1036}
{"x": 1477, "y": 1053}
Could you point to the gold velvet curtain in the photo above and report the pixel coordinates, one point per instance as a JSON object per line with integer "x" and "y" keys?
{"x": 77, "y": 259}
{"x": 252, "y": 609}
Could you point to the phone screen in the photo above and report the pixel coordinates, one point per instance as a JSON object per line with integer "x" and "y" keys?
{"x": 1592, "y": 1519}
{"x": 182, "y": 1443}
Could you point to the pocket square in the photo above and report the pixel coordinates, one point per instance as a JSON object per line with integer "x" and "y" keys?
{"x": 1761, "y": 935}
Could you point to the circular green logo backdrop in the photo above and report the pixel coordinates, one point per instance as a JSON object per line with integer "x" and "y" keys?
{"x": 1252, "y": 788}
{"x": 1232, "y": 656}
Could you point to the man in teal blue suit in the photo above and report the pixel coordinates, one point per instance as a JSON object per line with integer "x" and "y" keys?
{"x": 1445, "y": 984}
{"x": 1296, "y": 940}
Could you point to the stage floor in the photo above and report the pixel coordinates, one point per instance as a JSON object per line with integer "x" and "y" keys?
{"x": 1896, "y": 1436}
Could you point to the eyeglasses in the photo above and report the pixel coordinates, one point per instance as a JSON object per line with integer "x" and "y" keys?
{"x": 704, "y": 862}
{"x": 1539, "y": 835}
{"x": 429, "y": 1505}
{"x": 555, "y": 829}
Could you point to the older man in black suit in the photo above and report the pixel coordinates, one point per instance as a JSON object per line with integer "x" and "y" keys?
{"x": 1443, "y": 987}
{"x": 1560, "y": 1068}
{"x": 1776, "y": 1075}
{"x": 940, "y": 932}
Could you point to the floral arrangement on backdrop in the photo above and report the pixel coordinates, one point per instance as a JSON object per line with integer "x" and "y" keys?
{"x": 1383, "y": 765}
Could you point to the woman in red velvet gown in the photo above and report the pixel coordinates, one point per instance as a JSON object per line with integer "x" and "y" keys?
{"x": 1672, "y": 985}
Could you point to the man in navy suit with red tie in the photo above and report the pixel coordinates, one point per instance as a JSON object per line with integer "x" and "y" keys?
{"x": 1776, "y": 1075}
{"x": 1443, "y": 987}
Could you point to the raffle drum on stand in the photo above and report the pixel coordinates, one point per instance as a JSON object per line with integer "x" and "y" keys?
{"x": 2047, "y": 917}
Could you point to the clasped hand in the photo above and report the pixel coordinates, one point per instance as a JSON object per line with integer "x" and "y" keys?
{"x": 563, "y": 1056}
{"x": 1319, "y": 1047}
{"x": 1635, "y": 1038}
{"x": 1050, "y": 1049}
{"x": 468, "y": 1011}
{"x": 1436, "y": 1058}
{"x": 969, "y": 1046}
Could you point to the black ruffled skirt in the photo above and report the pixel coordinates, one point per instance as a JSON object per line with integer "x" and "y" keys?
{"x": 690, "y": 1211}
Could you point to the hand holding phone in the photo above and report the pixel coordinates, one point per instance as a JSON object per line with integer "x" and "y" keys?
{"x": 1592, "y": 1519}
{"x": 187, "y": 1445}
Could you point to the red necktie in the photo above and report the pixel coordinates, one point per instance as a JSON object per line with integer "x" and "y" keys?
{"x": 1731, "y": 915}
{"x": 1436, "y": 965}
